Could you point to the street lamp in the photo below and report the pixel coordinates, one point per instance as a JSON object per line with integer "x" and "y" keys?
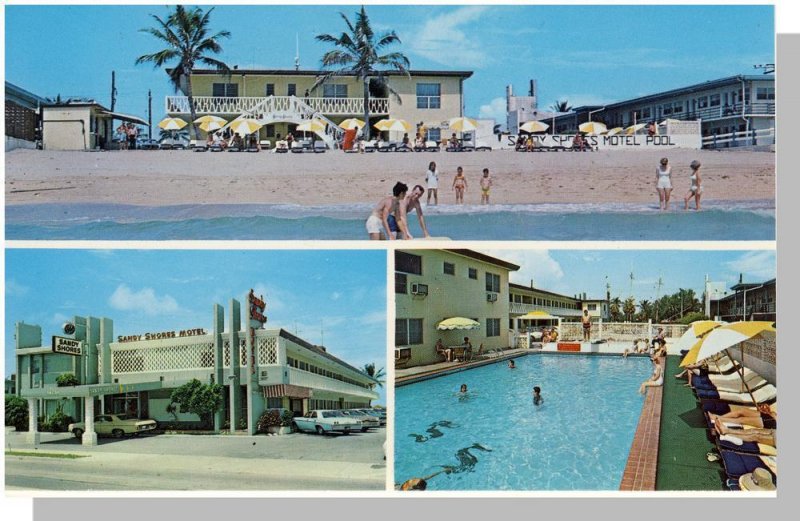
{"x": 744, "y": 301}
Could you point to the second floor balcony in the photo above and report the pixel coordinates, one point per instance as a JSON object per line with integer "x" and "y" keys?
{"x": 519, "y": 308}
{"x": 179, "y": 105}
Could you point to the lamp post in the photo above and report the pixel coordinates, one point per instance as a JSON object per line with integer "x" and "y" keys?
{"x": 744, "y": 301}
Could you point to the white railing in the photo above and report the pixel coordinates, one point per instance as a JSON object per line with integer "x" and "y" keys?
{"x": 518, "y": 307}
{"x": 315, "y": 381}
{"x": 239, "y": 105}
{"x": 740, "y": 139}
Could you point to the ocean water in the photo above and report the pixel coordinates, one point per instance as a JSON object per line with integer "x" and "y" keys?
{"x": 493, "y": 438}
{"x": 743, "y": 220}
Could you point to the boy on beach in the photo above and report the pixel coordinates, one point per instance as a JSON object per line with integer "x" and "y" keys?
{"x": 486, "y": 186}
{"x": 383, "y": 215}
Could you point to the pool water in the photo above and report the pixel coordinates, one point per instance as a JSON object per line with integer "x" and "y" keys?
{"x": 494, "y": 438}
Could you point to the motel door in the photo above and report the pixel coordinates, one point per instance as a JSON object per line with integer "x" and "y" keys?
{"x": 127, "y": 403}
{"x": 296, "y": 405}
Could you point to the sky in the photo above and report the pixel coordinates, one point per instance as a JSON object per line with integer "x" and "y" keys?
{"x": 571, "y": 272}
{"x": 589, "y": 54}
{"x": 336, "y": 294}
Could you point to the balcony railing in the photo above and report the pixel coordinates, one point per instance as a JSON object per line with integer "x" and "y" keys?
{"x": 520, "y": 308}
{"x": 315, "y": 381}
{"x": 240, "y": 105}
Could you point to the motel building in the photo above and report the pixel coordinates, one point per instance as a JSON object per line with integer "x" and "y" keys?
{"x": 282, "y": 99}
{"x": 135, "y": 373}
{"x": 747, "y": 301}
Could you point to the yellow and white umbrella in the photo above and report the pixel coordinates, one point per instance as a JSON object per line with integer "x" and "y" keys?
{"x": 397, "y": 125}
{"x": 592, "y": 127}
{"x": 614, "y": 131}
{"x": 633, "y": 129}
{"x": 245, "y": 126}
{"x": 210, "y": 123}
{"x": 172, "y": 123}
{"x": 669, "y": 120}
{"x": 534, "y": 126}
{"x": 462, "y": 124}
{"x": 312, "y": 125}
{"x": 351, "y": 123}
{"x": 729, "y": 335}
{"x": 457, "y": 323}
{"x": 696, "y": 331}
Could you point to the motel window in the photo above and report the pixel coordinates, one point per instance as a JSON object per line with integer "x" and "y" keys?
{"x": 270, "y": 130}
{"x": 667, "y": 110}
{"x": 591, "y": 307}
{"x": 714, "y": 100}
{"x": 702, "y": 102}
{"x": 407, "y": 332}
{"x": 270, "y": 89}
{"x": 449, "y": 268}
{"x": 677, "y": 107}
{"x": 291, "y": 90}
{"x": 492, "y": 327}
{"x": 429, "y": 95}
{"x": 274, "y": 403}
{"x": 646, "y": 113}
{"x": 765, "y": 94}
{"x": 400, "y": 283}
{"x": 225, "y": 90}
{"x": 434, "y": 134}
{"x": 473, "y": 273}
{"x": 407, "y": 263}
{"x": 492, "y": 282}
{"x": 527, "y": 300}
{"x": 333, "y": 90}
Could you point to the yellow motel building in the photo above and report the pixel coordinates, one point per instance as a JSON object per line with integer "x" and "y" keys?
{"x": 135, "y": 373}
{"x": 283, "y": 99}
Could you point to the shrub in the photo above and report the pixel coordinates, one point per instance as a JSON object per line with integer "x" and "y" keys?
{"x": 16, "y": 412}
{"x": 58, "y": 422}
{"x": 273, "y": 418}
{"x": 286, "y": 418}
{"x": 198, "y": 398}
{"x": 691, "y": 317}
{"x": 67, "y": 380}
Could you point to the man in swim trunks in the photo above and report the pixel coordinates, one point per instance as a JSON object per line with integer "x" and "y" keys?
{"x": 587, "y": 326}
{"x": 407, "y": 205}
{"x": 383, "y": 217}
{"x": 486, "y": 186}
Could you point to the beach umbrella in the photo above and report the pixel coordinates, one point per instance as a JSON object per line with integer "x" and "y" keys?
{"x": 312, "y": 125}
{"x": 245, "y": 126}
{"x": 669, "y": 120}
{"x": 449, "y": 324}
{"x": 172, "y": 123}
{"x": 352, "y": 123}
{"x": 633, "y": 129}
{"x": 462, "y": 124}
{"x": 390, "y": 124}
{"x": 592, "y": 127}
{"x": 614, "y": 131}
{"x": 210, "y": 123}
{"x": 534, "y": 126}
{"x": 692, "y": 336}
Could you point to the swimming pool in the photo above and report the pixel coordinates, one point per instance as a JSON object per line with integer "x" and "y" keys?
{"x": 493, "y": 438}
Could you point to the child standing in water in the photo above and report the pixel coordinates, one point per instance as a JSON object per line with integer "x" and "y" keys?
{"x": 537, "y": 396}
{"x": 486, "y": 186}
{"x": 696, "y": 190}
{"x": 460, "y": 185}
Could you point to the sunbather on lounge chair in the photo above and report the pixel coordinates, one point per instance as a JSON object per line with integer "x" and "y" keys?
{"x": 765, "y": 436}
{"x": 764, "y": 416}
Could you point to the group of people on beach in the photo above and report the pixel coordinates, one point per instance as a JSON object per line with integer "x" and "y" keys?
{"x": 127, "y": 135}
{"x": 664, "y": 185}
{"x": 459, "y": 184}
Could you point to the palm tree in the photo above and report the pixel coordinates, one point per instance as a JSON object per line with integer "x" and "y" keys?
{"x": 629, "y": 308}
{"x": 375, "y": 373}
{"x": 561, "y": 106}
{"x": 615, "y": 308}
{"x": 357, "y": 54}
{"x": 187, "y": 36}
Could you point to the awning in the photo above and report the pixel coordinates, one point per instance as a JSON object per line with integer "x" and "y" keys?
{"x": 538, "y": 315}
{"x": 289, "y": 391}
{"x": 123, "y": 117}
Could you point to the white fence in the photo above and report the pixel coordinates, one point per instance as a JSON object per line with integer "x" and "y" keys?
{"x": 620, "y": 331}
{"x": 241, "y": 105}
{"x": 741, "y": 139}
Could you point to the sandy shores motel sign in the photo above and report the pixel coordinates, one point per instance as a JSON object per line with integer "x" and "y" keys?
{"x": 67, "y": 346}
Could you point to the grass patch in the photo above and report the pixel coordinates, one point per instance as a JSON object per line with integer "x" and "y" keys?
{"x": 44, "y": 454}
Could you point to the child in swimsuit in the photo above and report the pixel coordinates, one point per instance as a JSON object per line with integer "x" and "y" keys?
{"x": 486, "y": 186}
{"x": 460, "y": 185}
{"x": 696, "y": 189}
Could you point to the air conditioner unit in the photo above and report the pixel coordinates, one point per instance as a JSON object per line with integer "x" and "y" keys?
{"x": 264, "y": 374}
{"x": 419, "y": 289}
{"x": 491, "y": 297}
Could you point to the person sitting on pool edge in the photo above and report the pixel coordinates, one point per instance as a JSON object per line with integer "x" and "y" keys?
{"x": 656, "y": 380}
{"x": 537, "y": 396}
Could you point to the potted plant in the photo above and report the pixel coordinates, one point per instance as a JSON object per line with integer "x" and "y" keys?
{"x": 286, "y": 422}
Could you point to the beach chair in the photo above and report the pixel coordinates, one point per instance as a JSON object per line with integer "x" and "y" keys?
{"x": 765, "y": 394}
{"x": 730, "y": 382}
{"x": 432, "y": 146}
{"x": 198, "y": 145}
{"x": 386, "y": 147}
{"x": 482, "y": 146}
{"x": 178, "y": 146}
{"x": 319, "y": 147}
{"x": 744, "y": 447}
{"x": 737, "y": 465}
{"x": 370, "y": 146}
{"x": 265, "y": 144}
{"x": 165, "y": 146}
{"x": 281, "y": 147}
{"x": 403, "y": 148}
{"x": 297, "y": 148}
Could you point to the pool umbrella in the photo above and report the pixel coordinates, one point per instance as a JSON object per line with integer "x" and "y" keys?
{"x": 351, "y": 123}
{"x": 669, "y": 120}
{"x": 692, "y": 336}
{"x": 172, "y": 123}
{"x": 397, "y": 125}
{"x": 462, "y": 124}
{"x": 633, "y": 129}
{"x": 449, "y": 324}
{"x": 534, "y": 126}
{"x": 592, "y": 127}
{"x": 245, "y": 126}
{"x": 312, "y": 125}
{"x": 210, "y": 123}
{"x": 614, "y": 131}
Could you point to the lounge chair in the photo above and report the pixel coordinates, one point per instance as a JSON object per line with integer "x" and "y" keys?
{"x": 198, "y": 145}
{"x": 745, "y": 447}
{"x": 729, "y": 382}
{"x": 319, "y": 147}
{"x": 737, "y": 465}
{"x": 725, "y": 367}
{"x": 432, "y": 146}
{"x": 766, "y": 393}
{"x": 370, "y": 146}
{"x": 281, "y": 147}
{"x": 165, "y": 146}
{"x": 297, "y": 148}
{"x": 482, "y": 147}
{"x": 402, "y": 147}
{"x": 386, "y": 147}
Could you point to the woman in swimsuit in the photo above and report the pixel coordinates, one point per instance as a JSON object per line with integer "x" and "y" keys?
{"x": 696, "y": 190}
{"x": 664, "y": 183}
{"x": 460, "y": 185}
{"x": 656, "y": 380}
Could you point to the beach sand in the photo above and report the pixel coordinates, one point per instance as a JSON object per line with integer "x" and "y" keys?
{"x": 156, "y": 178}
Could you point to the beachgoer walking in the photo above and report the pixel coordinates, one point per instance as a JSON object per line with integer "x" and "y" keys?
{"x": 586, "y": 320}
{"x": 664, "y": 183}
{"x": 656, "y": 380}
{"x": 133, "y": 133}
{"x": 486, "y": 186}
{"x": 432, "y": 180}
{"x": 382, "y": 218}
{"x": 408, "y": 204}
{"x": 696, "y": 190}
{"x": 537, "y": 396}
{"x": 460, "y": 185}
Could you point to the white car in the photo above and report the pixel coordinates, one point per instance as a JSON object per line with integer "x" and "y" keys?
{"x": 377, "y": 413}
{"x": 367, "y": 421}
{"x": 117, "y": 425}
{"x": 325, "y": 421}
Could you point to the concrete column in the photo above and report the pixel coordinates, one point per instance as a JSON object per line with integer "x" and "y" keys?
{"x": 219, "y": 327}
{"x": 600, "y": 329}
{"x": 92, "y": 339}
{"x": 34, "y": 436}
{"x": 89, "y": 435}
{"x": 235, "y": 324}
{"x": 106, "y": 337}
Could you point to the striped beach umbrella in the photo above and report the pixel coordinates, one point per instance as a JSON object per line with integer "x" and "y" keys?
{"x": 449, "y": 324}
{"x": 592, "y": 127}
{"x": 312, "y": 125}
{"x": 462, "y": 124}
{"x": 390, "y": 124}
{"x": 352, "y": 123}
{"x": 534, "y": 126}
{"x": 614, "y": 131}
{"x": 633, "y": 129}
{"x": 210, "y": 123}
{"x": 729, "y": 335}
{"x": 172, "y": 123}
{"x": 245, "y": 126}
{"x": 696, "y": 331}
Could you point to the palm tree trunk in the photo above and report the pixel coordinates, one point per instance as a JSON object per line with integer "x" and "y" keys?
{"x": 366, "y": 109}
{"x": 192, "y": 112}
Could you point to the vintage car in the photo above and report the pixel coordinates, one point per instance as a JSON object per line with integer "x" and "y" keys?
{"x": 367, "y": 421}
{"x": 117, "y": 425}
{"x": 325, "y": 421}
{"x": 377, "y": 413}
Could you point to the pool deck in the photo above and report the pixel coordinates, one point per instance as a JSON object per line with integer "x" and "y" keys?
{"x": 423, "y": 372}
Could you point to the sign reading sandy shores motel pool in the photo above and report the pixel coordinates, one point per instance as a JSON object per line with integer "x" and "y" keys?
{"x": 161, "y": 335}
{"x": 67, "y": 346}
{"x": 617, "y": 142}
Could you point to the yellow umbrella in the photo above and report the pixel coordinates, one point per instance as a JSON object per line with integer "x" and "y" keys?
{"x": 351, "y": 123}
{"x": 669, "y": 120}
{"x": 696, "y": 331}
{"x": 592, "y": 127}
{"x": 633, "y": 129}
{"x": 172, "y": 123}
{"x": 534, "y": 126}
{"x": 537, "y": 315}
{"x": 462, "y": 124}
{"x": 210, "y": 123}
{"x": 312, "y": 125}
{"x": 614, "y": 131}
{"x": 457, "y": 323}
{"x": 398, "y": 125}
{"x": 245, "y": 126}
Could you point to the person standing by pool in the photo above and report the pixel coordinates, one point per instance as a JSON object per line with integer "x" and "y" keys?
{"x": 408, "y": 204}
{"x": 586, "y": 320}
{"x": 382, "y": 215}
{"x": 432, "y": 180}
{"x": 486, "y": 186}
{"x": 664, "y": 183}
{"x": 696, "y": 190}
{"x": 460, "y": 185}
{"x": 537, "y": 396}
{"x": 656, "y": 380}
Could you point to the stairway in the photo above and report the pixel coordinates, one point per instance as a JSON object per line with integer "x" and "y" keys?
{"x": 292, "y": 109}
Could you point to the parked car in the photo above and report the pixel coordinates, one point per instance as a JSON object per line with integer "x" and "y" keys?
{"x": 117, "y": 425}
{"x": 366, "y": 420}
{"x": 377, "y": 413}
{"x": 325, "y": 421}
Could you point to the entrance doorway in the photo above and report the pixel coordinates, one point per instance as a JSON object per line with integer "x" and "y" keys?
{"x": 296, "y": 406}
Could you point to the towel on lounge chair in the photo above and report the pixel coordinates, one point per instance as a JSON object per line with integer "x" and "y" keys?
{"x": 749, "y": 447}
